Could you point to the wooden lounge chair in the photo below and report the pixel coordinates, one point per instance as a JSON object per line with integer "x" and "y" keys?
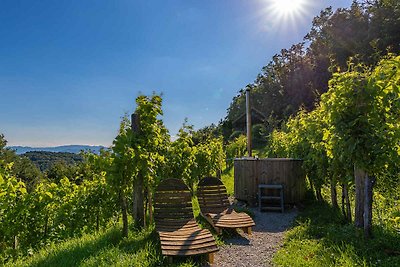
{"x": 179, "y": 232}
{"x": 215, "y": 207}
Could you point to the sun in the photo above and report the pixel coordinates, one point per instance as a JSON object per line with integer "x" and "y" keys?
{"x": 287, "y": 8}
{"x": 278, "y": 15}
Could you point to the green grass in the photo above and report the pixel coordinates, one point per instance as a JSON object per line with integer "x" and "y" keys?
{"x": 107, "y": 248}
{"x": 321, "y": 237}
{"x": 228, "y": 180}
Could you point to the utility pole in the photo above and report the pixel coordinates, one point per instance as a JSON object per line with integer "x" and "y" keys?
{"x": 138, "y": 190}
{"x": 248, "y": 121}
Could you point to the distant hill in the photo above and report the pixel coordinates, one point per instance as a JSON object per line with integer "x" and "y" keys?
{"x": 67, "y": 148}
{"x": 44, "y": 159}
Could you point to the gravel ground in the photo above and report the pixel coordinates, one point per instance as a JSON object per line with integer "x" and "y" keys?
{"x": 259, "y": 248}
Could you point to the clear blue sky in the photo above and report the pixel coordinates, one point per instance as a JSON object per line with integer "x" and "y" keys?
{"x": 70, "y": 69}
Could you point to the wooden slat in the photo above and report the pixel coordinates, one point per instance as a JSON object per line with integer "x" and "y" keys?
{"x": 187, "y": 242}
{"x": 199, "y": 234}
{"x": 213, "y": 190}
{"x": 173, "y": 205}
{"x": 164, "y": 209}
{"x": 219, "y": 198}
{"x": 216, "y": 204}
{"x": 179, "y": 222}
{"x": 204, "y": 250}
{"x": 171, "y": 228}
{"x": 173, "y": 196}
{"x": 188, "y": 247}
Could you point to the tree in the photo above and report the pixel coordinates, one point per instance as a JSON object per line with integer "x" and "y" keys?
{"x": 23, "y": 168}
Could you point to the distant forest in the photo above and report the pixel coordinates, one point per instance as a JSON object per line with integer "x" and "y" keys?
{"x": 45, "y": 160}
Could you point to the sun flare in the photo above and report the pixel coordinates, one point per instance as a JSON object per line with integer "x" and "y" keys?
{"x": 287, "y": 7}
{"x": 280, "y": 15}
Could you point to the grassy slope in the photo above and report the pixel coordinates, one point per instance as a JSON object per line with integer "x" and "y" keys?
{"x": 320, "y": 237}
{"x": 108, "y": 248}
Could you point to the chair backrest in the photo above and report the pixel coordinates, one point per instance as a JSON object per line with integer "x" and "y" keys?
{"x": 212, "y": 195}
{"x": 172, "y": 202}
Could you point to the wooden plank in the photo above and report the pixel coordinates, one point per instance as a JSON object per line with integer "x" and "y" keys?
{"x": 186, "y": 242}
{"x": 215, "y": 203}
{"x": 161, "y": 208}
{"x": 204, "y": 250}
{"x": 179, "y": 235}
{"x": 173, "y": 195}
{"x": 187, "y": 247}
{"x": 178, "y": 214}
{"x": 174, "y": 206}
{"x": 169, "y": 237}
{"x": 208, "y": 198}
{"x": 233, "y": 220}
{"x": 222, "y": 198}
{"x": 213, "y": 196}
{"x": 271, "y": 186}
{"x": 177, "y": 227}
{"x": 211, "y": 188}
{"x": 176, "y": 222}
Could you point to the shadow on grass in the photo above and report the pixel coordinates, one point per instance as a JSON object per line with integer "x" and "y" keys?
{"x": 341, "y": 242}
{"x": 141, "y": 248}
{"x": 139, "y": 240}
{"x": 76, "y": 252}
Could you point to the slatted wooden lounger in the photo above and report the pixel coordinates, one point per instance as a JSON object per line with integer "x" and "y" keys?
{"x": 215, "y": 207}
{"x": 179, "y": 232}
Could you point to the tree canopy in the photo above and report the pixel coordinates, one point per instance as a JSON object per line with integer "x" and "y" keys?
{"x": 296, "y": 77}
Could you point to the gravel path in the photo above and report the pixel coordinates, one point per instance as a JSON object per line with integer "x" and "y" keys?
{"x": 258, "y": 249}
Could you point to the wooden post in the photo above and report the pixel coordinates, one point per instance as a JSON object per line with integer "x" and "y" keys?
{"x": 146, "y": 202}
{"x": 248, "y": 121}
{"x": 218, "y": 230}
{"x": 138, "y": 194}
{"x": 210, "y": 258}
{"x": 346, "y": 208}
{"x": 98, "y": 219}
{"x": 333, "y": 193}
{"x": 138, "y": 201}
{"x": 124, "y": 209}
{"x": 135, "y": 123}
{"x": 150, "y": 207}
{"x": 15, "y": 243}
{"x": 247, "y": 230}
{"x": 369, "y": 184}
{"x": 359, "y": 177}
{"x": 343, "y": 202}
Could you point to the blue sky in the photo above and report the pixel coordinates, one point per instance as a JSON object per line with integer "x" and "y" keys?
{"x": 69, "y": 70}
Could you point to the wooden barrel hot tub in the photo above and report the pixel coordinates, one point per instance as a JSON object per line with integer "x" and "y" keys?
{"x": 250, "y": 172}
